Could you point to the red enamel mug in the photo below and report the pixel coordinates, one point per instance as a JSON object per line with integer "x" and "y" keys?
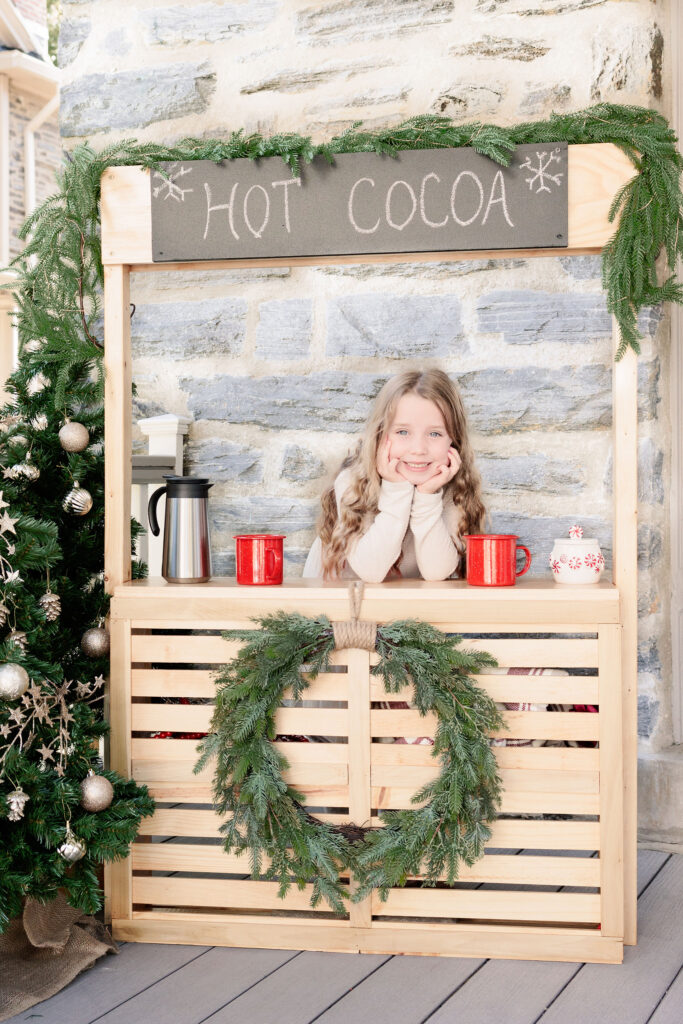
{"x": 492, "y": 559}
{"x": 259, "y": 558}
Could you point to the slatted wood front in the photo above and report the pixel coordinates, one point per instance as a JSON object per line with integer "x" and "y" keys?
{"x": 552, "y": 867}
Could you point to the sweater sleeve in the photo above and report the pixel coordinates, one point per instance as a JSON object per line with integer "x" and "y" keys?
{"x": 372, "y": 555}
{"x": 436, "y": 552}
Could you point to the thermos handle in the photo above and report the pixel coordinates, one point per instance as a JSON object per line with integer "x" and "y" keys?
{"x": 527, "y": 562}
{"x": 152, "y": 510}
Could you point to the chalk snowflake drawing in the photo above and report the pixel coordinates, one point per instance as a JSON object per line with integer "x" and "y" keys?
{"x": 540, "y": 174}
{"x": 169, "y": 189}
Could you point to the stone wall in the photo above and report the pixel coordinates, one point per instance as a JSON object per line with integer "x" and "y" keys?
{"x": 278, "y": 367}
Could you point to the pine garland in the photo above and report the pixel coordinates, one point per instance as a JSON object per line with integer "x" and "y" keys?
{"x": 60, "y": 294}
{"x": 264, "y": 815}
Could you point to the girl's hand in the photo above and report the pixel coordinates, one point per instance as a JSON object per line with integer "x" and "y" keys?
{"x": 386, "y": 466}
{"x": 443, "y": 474}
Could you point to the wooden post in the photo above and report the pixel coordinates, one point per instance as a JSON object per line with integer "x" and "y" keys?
{"x": 359, "y": 760}
{"x": 118, "y": 876}
{"x": 117, "y": 426}
{"x": 625, "y": 576}
{"x": 611, "y": 775}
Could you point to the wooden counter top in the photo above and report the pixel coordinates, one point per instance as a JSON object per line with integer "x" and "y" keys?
{"x": 530, "y": 601}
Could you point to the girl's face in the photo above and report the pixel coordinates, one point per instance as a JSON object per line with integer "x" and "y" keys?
{"x": 418, "y": 438}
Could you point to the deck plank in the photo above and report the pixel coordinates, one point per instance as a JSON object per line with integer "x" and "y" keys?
{"x": 670, "y": 1010}
{"x": 111, "y": 981}
{"x": 627, "y": 993}
{"x": 197, "y": 990}
{"x": 404, "y": 990}
{"x": 301, "y": 990}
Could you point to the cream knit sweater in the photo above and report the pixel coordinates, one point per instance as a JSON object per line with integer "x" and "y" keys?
{"x": 416, "y": 526}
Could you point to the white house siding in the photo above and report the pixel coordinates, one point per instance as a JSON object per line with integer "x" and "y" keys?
{"x": 260, "y": 357}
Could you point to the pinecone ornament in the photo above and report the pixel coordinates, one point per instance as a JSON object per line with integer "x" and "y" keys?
{"x": 4, "y": 612}
{"x": 18, "y": 638}
{"x": 51, "y": 605}
{"x": 17, "y": 800}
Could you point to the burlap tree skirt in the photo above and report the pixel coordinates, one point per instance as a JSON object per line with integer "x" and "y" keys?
{"x": 43, "y": 950}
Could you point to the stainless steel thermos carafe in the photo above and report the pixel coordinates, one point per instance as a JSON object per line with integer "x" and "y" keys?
{"x": 187, "y": 549}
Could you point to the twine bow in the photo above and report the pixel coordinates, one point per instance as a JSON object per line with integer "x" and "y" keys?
{"x": 354, "y": 632}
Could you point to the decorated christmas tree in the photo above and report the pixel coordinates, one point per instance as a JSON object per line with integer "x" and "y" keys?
{"x": 61, "y": 813}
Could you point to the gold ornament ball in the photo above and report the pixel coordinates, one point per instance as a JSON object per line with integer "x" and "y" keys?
{"x": 74, "y": 437}
{"x": 96, "y": 792}
{"x": 14, "y": 681}
{"x": 95, "y": 642}
{"x": 78, "y": 500}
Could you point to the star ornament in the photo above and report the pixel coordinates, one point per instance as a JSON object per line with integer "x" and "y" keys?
{"x": 7, "y": 523}
{"x": 3, "y": 504}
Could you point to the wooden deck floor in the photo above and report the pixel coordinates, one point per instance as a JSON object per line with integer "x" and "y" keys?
{"x": 158, "y": 984}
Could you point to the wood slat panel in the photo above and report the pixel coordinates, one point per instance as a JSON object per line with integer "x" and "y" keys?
{"x": 483, "y": 904}
{"x": 515, "y": 802}
{"x": 498, "y": 868}
{"x": 197, "y": 718}
{"x": 515, "y": 942}
{"x": 199, "y": 650}
{"x": 537, "y": 725}
{"x": 405, "y": 776}
{"x": 530, "y": 653}
{"x": 218, "y": 892}
{"x": 512, "y": 689}
{"x": 186, "y": 750}
{"x": 202, "y": 793}
{"x": 154, "y": 773}
{"x": 506, "y": 833}
{"x": 534, "y": 758}
{"x": 157, "y": 682}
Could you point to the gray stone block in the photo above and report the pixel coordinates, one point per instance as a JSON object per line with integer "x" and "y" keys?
{"x": 499, "y": 47}
{"x": 650, "y": 466}
{"x": 648, "y": 658}
{"x": 527, "y": 317}
{"x": 535, "y": 473}
{"x": 649, "y": 546}
{"x": 392, "y": 326}
{"x": 284, "y": 329}
{"x": 184, "y": 330}
{"x": 538, "y": 533}
{"x": 648, "y": 389}
{"x": 305, "y": 79}
{"x": 537, "y": 101}
{"x": 582, "y": 268}
{"x": 648, "y": 713}
{"x": 204, "y": 23}
{"x": 263, "y": 515}
{"x": 425, "y": 271}
{"x": 72, "y": 34}
{"x": 317, "y": 401}
{"x": 133, "y": 99}
{"x": 342, "y": 23}
{"x": 300, "y": 464}
{"x": 462, "y": 99}
{"x": 224, "y": 460}
{"x": 505, "y": 401}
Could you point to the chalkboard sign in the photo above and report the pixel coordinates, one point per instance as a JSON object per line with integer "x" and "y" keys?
{"x": 422, "y": 201}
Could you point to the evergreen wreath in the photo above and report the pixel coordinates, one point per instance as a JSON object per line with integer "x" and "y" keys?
{"x": 265, "y": 816}
{"x": 61, "y": 271}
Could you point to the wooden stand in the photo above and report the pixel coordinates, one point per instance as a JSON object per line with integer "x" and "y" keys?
{"x": 570, "y": 894}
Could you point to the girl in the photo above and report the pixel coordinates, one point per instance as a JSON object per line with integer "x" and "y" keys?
{"x": 402, "y": 501}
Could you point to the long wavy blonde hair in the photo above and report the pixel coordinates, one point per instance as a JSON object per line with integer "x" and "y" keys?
{"x": 338, "y": 530}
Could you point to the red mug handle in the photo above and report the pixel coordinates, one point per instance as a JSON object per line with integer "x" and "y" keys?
{"x": 273, "y": 565}
{"x": 527, "y": 563}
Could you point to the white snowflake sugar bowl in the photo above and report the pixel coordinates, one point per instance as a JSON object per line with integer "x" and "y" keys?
{"x": 576, "y": 559}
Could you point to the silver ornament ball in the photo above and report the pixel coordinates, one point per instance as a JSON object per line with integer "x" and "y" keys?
{"x": 74, "y": 437}
{"x": 96, "y": 792}
{"x": 14, "y": 681}
{"x": 78, "y": 500}
{"x": 95, "y": 642}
